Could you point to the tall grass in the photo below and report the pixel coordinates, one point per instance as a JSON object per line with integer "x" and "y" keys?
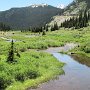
{"x": 30, "y": 66}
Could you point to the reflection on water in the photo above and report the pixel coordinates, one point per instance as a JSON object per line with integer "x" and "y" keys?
{"x": 77, "y": 74}
{"x": 82, "y": 59}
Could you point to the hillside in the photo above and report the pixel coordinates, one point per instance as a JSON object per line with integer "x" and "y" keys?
{"x": 77, "y": 6}
{"x": 72, "y": 9}
{"x": 59, "y": 19}
{"x": 32, "y": 16}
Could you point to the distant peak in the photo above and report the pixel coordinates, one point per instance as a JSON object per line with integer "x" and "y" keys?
{"x": 61, "y": 6}
{"x": 38, "y": 5}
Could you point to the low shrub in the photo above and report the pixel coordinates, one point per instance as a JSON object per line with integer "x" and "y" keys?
{"x": 23, "y": 49}
{"x": 20, "y": 76}
{"x": 5, "y": 80}
{"x": 87, "y": 49}
{"x": 32, "y": 74}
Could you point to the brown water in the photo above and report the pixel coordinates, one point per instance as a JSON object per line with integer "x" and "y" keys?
{"x": 76, "y": 77}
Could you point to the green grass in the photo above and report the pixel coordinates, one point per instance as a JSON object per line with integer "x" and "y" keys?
{"x": 33, "y": 68}
{"x": 29, "y": 70}
{"x": 56, "y": 39}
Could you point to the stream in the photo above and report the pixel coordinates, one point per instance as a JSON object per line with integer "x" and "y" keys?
{"x": 76, "y": 77}
{"x": 10, "y": 40}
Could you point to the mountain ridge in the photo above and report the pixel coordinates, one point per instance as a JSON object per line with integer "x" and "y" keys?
{"x": 37, "y": 15}
{"x": 76, "y": 7}
{"x": 25, "y": 17}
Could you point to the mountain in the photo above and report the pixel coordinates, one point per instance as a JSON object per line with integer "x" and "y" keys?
{"x": 73, "y": 8}
{"x": 61, "y": 6}
{"x": 32, "y": 16}
{"x": 77, "y": 6}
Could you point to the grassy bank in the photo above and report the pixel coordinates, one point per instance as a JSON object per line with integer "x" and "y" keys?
{"x": 31, "y": 69}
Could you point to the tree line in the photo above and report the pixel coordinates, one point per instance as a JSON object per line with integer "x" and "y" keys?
{"x": 4, "y": 27}
{"x": 44, "y": 28}
{"x": 77, "y": 22}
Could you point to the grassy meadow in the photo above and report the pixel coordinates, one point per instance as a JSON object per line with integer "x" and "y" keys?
{"x": 33, "y": 67}
{"x": 30, "y": 69}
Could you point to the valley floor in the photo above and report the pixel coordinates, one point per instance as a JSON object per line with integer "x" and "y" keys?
{"x": 40, "y": 64}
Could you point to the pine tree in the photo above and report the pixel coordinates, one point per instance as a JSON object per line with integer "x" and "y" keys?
{"x": 10, "y": 58}
{"x": 85, "y": 16}
{"x": 61, "y": 24}
{"x": 4, "y": 27}
{"x": 78, "y": 22}
{"x": 56, "y": 26}
{"x": 52, "y": 28}
{"x": 44, "y": 32}
{"x": 46, "y": 27}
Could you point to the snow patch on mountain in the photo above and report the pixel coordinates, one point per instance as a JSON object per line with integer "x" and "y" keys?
{"x": 61, "y": 6}
{"x": 39, "y": 5}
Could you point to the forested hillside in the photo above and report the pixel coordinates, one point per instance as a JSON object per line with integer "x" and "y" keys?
{"x": 32, "y": 16}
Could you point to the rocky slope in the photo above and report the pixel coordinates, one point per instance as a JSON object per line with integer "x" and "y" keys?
{"x": 76, "y": 7}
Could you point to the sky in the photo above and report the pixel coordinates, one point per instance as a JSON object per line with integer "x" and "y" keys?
{"x": 7, "y": 4}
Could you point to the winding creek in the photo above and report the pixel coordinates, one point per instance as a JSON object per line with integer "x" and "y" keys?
{"x": 76, "y": 77}
{"x": 77, "y": 70}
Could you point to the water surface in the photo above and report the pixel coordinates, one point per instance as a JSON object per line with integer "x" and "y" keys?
{"x": 76, "y": 77}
